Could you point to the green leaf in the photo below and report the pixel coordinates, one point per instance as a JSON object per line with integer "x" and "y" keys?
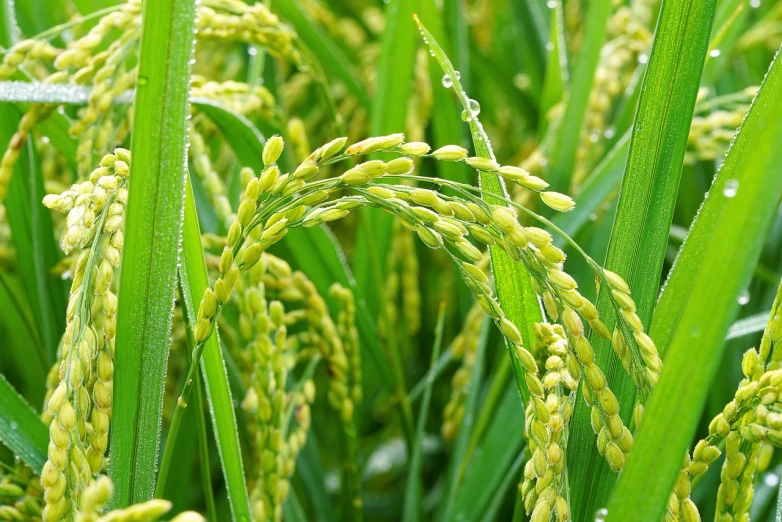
{"x": 595, "y": 191}
{"x": 323, "y": 47}
{"x": 152, "y": 232}
{"x": 556, "y": 68}
{"x": 502, "y": 445}
{"x": 639, "y": 236}
{"x": 512, "y": 280}
{"x": 563, "y": 157}
{"x": 389, "y": 114}
{"x": 36, "y": 250}
{"x": 31, "y": 224}
{"x": 21, "y": 430}
{"x": 748, "y": 326}
{"x": 413, "y": 507}
{"x": 444, "y": 111}
{"x": 19, "y": 334}
{"x": 215, "y": 378}
{"x": 714, "y": 266}
{"x": 454, "y": 475}
{"x": 531, "y": 28}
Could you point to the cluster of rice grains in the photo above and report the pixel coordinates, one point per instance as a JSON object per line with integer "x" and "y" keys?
{"x": 78, "y": 402}
{"x": 747, "y": 429}
{"x": 274, "y": 203}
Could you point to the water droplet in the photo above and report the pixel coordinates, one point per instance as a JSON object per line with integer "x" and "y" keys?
{"x": 474, "y": 107}
{"x": 771, "y": 480}
{"x": 14, "y": 426}
{"x": 458, "y": 75}
{"x": 447, "y": 82}
{"x": 549, "y": 46}
{"x": 731, "y": 188}
{"x": 593, "y": 216}
{"x": 714, "y": 53}
{"x": 754, "y": 4}
{"x": 744, "y": 297}
{"x": 595, "y": 137}
{"x": 643, "y": 58}
{"x": 639, "y": 126}
{"x": 551, "y": 4}
{"x": 609, "y": 133}
{"x": 252, "y": 50}
{"x": 601, "y": 514}
{"x": 477, "y": 135}
{"x": 466, "y": 116}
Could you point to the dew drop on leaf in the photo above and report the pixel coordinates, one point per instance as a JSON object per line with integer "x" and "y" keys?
{"x": 731, "y": 188}
{"x": 474, "y": 107}
{"x": 601, "y": 514}
{"x": 744, "y": 297}
{"x": 447, "y": 82}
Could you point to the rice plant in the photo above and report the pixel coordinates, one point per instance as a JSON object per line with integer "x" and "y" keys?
{"x": 403, "y": 260}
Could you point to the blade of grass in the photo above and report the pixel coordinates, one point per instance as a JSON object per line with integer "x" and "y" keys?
{"x": 389, "y": 114}
{"x": 563, "y": 154}
{"x": 21, "y": 430}
{"x": 556, "y": 69}
{"x": 413, "y": 508}
{"x": 748, "y": 326}
{"x": 21, "y": 337}
{"x": 500, "y": 448}
{"x": 215, "y": 379}
{"x": 444, "y": 111}
{"x": 531, "y": 31}
{"x": 514, "y": 286}
{"x": 640, "y": 232}
{"x": 36, "y": 250}
{"x": 310, "y": 471}
{"x": 709, "y": 277}
{"x": 778, "y": 515}
{"x": 30, "y": 222}
{"x": 453, "y": 477}
{"x": 153, "y": 229}
{"x": 513, "y": 283}
{"x": 492, "y": 511}
{"x": 597, "y": 189}
{"x": 327, "y": 52}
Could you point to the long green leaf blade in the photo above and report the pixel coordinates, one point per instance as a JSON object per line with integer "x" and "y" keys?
{"x": 194, "y": 283}
{"x": 640, "y": 232}
{"x": 21, "y": 430}
{"x": 152, "y": 233}
{"x": 714, "y": 266}
{"x": 564, "y": 154}
{"x": 414, "y": 486}
{"x": 328, "y": 53}
{"x": 389, "y": 113}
